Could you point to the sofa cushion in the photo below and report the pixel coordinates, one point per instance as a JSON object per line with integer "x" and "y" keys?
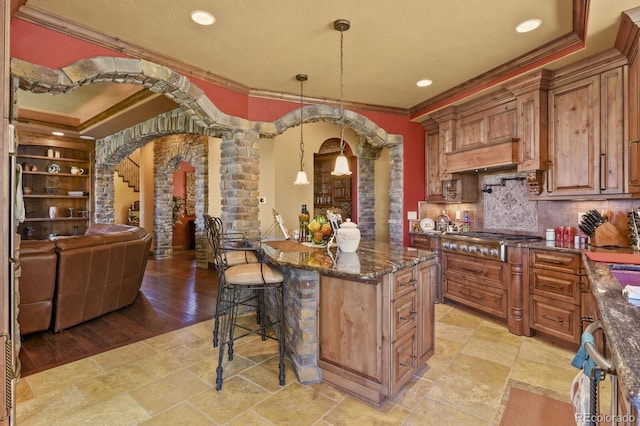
{"x": 36, "y": 283}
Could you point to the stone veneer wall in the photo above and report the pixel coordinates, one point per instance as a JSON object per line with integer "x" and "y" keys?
{"x": 198, "y": 114}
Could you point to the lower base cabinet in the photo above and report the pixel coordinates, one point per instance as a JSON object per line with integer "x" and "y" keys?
{"x": 556, "y": 286}
{"x": 374, "y": 336}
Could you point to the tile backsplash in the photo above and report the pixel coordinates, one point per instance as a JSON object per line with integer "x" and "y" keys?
{"x": 507, "y": 205}
{"x": 508, "y": 209}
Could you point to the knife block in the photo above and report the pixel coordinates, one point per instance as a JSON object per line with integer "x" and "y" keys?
{"x": 608, "y": 235}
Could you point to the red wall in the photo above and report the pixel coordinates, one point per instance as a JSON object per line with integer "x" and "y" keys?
{"x": 42, "y": 46}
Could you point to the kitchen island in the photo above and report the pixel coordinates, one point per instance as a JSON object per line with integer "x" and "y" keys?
{"x": 621, "y": 323}
{"x": 363, "y": 321}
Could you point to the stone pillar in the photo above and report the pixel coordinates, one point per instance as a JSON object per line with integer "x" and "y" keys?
{"x": 367, "y": 156}
{"x": 103, "y": 194}
{"x": 396, "y": 197}
{"x": 240, "y": 173}
{"x": 301, "y": 294}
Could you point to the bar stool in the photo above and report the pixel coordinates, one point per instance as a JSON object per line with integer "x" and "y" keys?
{"x": 235, "y": 249}
{"x": 233, "y": 284}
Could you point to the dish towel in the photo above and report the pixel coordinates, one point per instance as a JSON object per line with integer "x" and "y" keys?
{"x": 632, "y": 292}
{"x": 582, "y": 360}
{"x": 20, "y": 210}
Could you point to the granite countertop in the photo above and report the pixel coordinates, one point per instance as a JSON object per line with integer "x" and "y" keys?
{"x": 621, "y": 323}
{"x": 370, "y": 262}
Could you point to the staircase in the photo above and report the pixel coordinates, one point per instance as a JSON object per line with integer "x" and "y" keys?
{"x": 129, "y": 171}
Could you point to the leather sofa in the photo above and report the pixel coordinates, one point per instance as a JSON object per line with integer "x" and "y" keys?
{"x": 95, "y": 273}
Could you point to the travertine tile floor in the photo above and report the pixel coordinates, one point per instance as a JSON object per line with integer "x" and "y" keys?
{"x": 170, "y": 380}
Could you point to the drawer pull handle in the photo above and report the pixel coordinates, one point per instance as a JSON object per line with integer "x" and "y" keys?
{"x": 558, "y": 286}
{"x": 468, "y": 293}
{"x": 552, "y": 260}
{"x": 475, "y": 271}
{"x": 411, "y": 283}
{"x": 410, "y": 363}
{"x": 412, "y": 315}
{"x": 552, "y": 319}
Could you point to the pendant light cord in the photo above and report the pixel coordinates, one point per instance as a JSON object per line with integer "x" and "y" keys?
{"x": 301, "y": 126}
{"x": 341, "y": 92}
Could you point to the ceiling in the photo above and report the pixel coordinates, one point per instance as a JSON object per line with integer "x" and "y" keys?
{"x": 258, "y": 47}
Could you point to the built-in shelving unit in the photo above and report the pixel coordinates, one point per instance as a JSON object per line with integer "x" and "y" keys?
{"x": 57, "y": 194}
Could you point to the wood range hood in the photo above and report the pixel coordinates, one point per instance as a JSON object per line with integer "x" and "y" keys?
{"x": 484, "y": 157}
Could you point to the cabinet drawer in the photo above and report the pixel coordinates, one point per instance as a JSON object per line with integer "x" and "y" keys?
{"x": 557, "y": 285}
{"x": 404, "y": 281}
{"x": 404, "y": 361}
{"x": 487, "y": 299}
{"x": 556, "y": 318}
{"x": 555, "y": 261}
{"x": 481, "y": 271}
{"x": 421, "y": 241}
{"x": 405, "y": 312}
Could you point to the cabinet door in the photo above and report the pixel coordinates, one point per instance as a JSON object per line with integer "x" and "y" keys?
{"x": 426, "y": 318}
{"x": 612, "y": 132}
{"x": 574, "y": 152}
{"x": 434, "y": 166}
{"x": 532, "y": 130}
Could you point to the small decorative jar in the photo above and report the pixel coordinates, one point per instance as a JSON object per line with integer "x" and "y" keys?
{"x": 348, "y": 237}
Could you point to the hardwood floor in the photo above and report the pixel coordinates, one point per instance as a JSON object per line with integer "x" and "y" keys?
{"x": 175, "y": 294}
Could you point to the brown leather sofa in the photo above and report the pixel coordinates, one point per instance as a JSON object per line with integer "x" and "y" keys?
{"x": 96, "y": 273}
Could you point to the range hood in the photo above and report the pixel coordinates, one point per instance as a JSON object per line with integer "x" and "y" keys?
{"x": 484, "y": 157}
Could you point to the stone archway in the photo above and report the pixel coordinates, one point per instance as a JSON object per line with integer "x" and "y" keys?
{"x": 198, "y": 114}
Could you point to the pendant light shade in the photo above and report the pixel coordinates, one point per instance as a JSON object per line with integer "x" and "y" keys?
{"x": 342, "y": 164}
{"x": 301, "y": 178}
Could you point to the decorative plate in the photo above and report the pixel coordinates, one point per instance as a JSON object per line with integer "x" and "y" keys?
{"x": 427, "y": 224}
{"x": 53, "y": 168}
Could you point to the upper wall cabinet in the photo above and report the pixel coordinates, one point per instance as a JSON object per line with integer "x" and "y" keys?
{"x": 586, "y": 138}
{"x": 574, "y": 131}
{"x": 444, "y": 187}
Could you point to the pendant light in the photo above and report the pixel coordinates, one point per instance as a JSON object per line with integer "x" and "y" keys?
{"x": 342, "y": 164}
{"x": 301, "y": 179}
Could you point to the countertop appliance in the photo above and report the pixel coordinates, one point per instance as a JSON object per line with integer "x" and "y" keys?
{"x": 487, "y": 245}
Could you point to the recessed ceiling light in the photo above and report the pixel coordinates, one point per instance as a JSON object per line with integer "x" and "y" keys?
{"x": 202, "y": 17}
{"x": 57, "y": 133}
{"x": 424, "y": 83}
{"x": 87, "y": 137}
{"x": 528, "y": 25}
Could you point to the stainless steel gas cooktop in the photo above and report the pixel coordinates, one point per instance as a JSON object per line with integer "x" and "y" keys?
{"x": 491, "y": 245}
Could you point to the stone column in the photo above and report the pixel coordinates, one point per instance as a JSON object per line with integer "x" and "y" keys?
{"x": 103, "y": 194}
{"x": 240, "y": 173}
{"x": 396, "y": 197}
{"x": 367, "y": 156}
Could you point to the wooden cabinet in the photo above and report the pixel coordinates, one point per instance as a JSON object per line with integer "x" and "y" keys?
{"x": 586, "y": 136}
{"x": 555, "y": 295}
{"x": 374, "y": 336}
{"x": 328, "y": 190}
{"x": 434, "y": 162}
{"x": 56, "y": 185}
{"x": 475, "y": 282}
{"x": 431, "y": 243}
